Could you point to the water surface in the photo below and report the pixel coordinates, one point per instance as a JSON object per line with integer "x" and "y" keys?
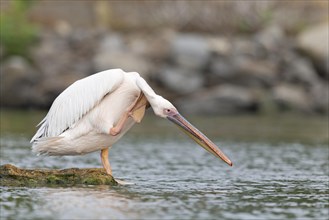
{"x": 275, "y": 175}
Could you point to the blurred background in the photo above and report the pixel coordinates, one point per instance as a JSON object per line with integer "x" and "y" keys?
{"x": 210, "y": 58}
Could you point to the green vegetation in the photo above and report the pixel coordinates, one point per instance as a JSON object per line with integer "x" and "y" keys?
{"x": 17, "y": 32}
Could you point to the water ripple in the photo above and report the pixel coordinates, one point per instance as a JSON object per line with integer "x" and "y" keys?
{"x": 178, "y": 180}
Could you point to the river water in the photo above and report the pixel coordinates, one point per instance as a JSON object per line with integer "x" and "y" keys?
{"x": 279, "y": 173}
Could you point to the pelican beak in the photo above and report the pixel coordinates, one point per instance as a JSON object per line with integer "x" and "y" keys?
{"x": 198, "y": 137}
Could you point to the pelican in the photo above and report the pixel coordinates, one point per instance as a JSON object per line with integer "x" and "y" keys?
{"x": 95, "y": 112}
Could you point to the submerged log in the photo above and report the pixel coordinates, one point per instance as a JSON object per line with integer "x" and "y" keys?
{"x": 14, "y": 176}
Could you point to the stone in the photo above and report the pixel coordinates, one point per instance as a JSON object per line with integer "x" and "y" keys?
{"x": 111, "y": 42}
{"x": 247, "y": 47}
{"x": 12, "y": 176}
{"x": 253, "y": 72}
{"x": 314, "y": 43}
{"x": 224, "y": 99}
{"x": 271, "y": 38}
{"x": 220, "y": 46}
{"x": 62, "y": 60}
{"x": 112, "y": 52}
{"x": 291, "y": 97}
{"x": 154, "y": 46}
{"x": 320, "y": 98}
{"x": 19, "y": 84}
{"x": 190, "y": 51}
{"x": 56, "y": 55}
{"x": 243, "y": 70}
{"x": 222, "y": 68}
{"x": 52, "y": 86}
{"x": 179, "y": 80}
{"x": 299, "y": 70}
{"x": 126, "y": 61}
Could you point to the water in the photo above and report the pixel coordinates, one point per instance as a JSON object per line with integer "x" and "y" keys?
{"x": 176, "y": 179}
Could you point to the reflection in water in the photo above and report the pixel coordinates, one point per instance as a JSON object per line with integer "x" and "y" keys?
{"x": 176, "y": 179}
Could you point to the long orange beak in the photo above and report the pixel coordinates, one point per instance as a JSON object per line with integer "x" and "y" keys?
{"x": 198, "y": 137}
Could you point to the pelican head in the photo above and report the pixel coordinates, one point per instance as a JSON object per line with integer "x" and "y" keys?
{"x": 163, "y": 108}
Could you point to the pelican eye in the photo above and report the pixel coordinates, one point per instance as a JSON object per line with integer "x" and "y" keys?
{"x": 167, "y": 110}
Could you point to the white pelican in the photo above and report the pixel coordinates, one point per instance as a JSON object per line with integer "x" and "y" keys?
{"x": 95, "y": 112}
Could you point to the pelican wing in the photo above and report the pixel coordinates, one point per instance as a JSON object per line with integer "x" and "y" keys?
{"x": 76, "y": 100}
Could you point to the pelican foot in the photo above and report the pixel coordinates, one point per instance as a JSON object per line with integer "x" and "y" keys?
{"x": 121, "y": 182}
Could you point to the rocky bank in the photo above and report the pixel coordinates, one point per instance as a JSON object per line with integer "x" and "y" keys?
{"x": 268, "y": 71}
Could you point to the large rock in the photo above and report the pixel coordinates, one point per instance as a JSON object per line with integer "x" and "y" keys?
{"x": 243, "y": 70}
{"x": 113, "y": 53}
{"x": 320, "y": 97}
{"x": 12, "y": 176}
{"x": 271, "y": 38}
{"x": 243, "y": 61}
{"x": 298, "y": 70}
{"x": 154, "y": 46}
{"x": 19, "y": 82}
{"x": 190, "y": 51}
{"x": 62, "y": 60}
{"x": 291, "y": 97}
{"x": 222, "y": 69}
{"x": 254, "y": 72}
{"x": 57, "y": 55}
{"x": 314, "y": 43}
{"x": 112, "y": 42}
{"x": 220, "y": 46}
{"x": 124, "y": 60}
{"x": 248, "y": 47}
{"x": 224, "y": 99}
{"x": 179, "y": 80}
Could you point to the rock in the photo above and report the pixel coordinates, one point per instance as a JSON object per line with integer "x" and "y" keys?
{"x": 56, "y": 55}
{"x": 243, "y": 70}
{"x": 272, "y": 38}
{"x": 127, "y": 61}
{"x": 179, "y": 80}
{"x": 19, "y": 84}
{"x": 62, "y": 60}
{"x": 252, "y": 72}
{"x": 113, "y": 53}
{"x": 320, "y": 98}
{"x": 314, "y": 43}
{"x": 222, "y": 69}
{"x": 291, "y": 97}
{"x": 52, "y": 86}
{"x": 220, "y": 46}
{"x": 63, "y": 28}
{"x": 248, "y": 48}
{"x": 298, "y": 70}
{"x": 16, "y": 177}
{"x": 190, "y": 51}
{"x": 224, "y": 99}
{"x": 112, "y": 42}
{"x": 314, "y": 40}
{"x": 155, "y": 47}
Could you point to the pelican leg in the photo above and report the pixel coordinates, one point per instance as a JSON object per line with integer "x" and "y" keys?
{"x": 105, "y": 160}
{"x": 107, "y": 166}
{"x": 118, "y": 127}
{"x": 132, "y": 111}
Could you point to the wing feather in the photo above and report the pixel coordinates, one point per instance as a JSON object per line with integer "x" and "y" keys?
{"x": 76, "y": 100}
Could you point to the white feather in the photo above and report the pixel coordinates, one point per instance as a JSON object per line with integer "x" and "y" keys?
{"x": 76, "y": 100}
